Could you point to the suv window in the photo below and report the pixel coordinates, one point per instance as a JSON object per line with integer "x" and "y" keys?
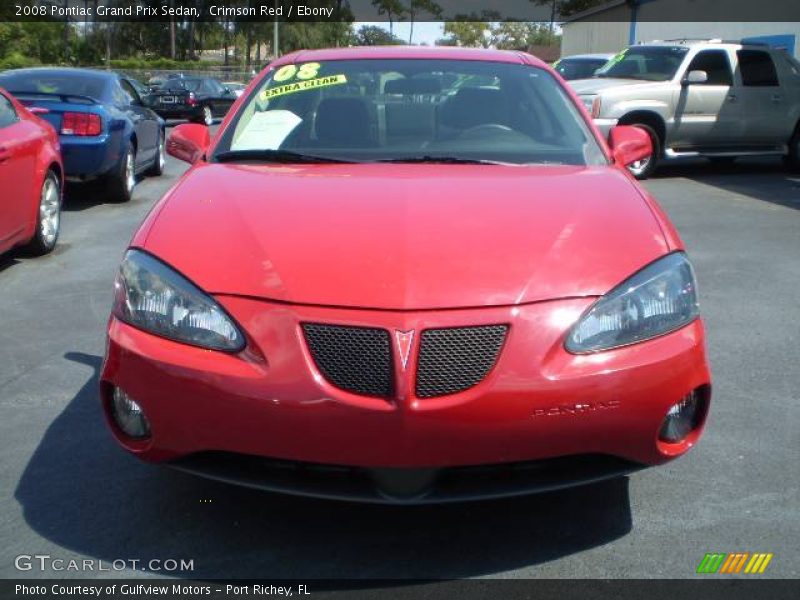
{"x": 716, "y": 64}
{"x": 8, "y": 116}
{"x": 757, "y": 68}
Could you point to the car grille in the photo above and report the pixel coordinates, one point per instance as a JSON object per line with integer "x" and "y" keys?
{"x": 355, "y": 359}
{"x": 455, "y": 359}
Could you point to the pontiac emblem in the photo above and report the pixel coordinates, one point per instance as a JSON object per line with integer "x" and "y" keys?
{"x": 404, "y": 341}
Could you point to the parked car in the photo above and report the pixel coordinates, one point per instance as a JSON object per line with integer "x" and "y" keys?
{"x": 104, "y": 127}
{"x": 236, "y": 87}
{"x": 193, "y": 98}
{"x": 31, "y": 179}
{"x": 456, "y": 297}
{"x": 580, "y": 66}
{"x": 708, "y": 98}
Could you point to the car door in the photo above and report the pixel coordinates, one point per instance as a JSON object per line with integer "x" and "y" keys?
{"x": 144, "y": 122}
{"x": 708, "y": 114}
{"x": 765, "y": 105}
{"x": 18, "y": 145}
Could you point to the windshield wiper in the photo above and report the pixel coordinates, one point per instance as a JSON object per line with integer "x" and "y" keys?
{"x": 450, "y": 160}
{"x": 277, "y": 156}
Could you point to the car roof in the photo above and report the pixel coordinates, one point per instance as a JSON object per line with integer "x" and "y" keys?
{"x": 409, "y": 52}
{"x": 716, "y": 43}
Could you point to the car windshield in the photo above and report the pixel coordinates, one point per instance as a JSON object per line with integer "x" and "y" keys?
{"x": 650, "y": 63}
{"x": 77, "y": 84}
{"x": 416, "y": 110}
{"x": 190, "y": 85}
{"x": 578, "y": 68}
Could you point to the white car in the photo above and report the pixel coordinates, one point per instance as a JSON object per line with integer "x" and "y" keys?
{"x": 705, "y": 98}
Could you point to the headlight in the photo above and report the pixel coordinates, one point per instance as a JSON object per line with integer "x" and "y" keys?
{"x": 660, "y": 298}
{"x": 592, "y": 103}
{"x": 152, "y": 296}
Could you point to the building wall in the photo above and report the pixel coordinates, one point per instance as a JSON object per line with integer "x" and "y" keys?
{"x": 615, "y": 28}
{"x": 606, "y": 32}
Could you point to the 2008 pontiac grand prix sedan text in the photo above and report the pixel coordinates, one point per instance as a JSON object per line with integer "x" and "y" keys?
{"x": 406, "y": 275}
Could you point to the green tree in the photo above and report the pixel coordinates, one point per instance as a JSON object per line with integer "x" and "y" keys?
{"x": 417, "y": 6}
{"x": 468, "y": 33}
{"x": 393, "y": 9}
{"x": 514, "y": 35}
{"x": 372, "y": 35}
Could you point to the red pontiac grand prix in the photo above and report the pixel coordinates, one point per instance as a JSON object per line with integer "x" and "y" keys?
{"x": 406, "y": 275}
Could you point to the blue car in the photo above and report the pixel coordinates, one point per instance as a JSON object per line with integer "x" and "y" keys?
{"x": 105, "y": 128}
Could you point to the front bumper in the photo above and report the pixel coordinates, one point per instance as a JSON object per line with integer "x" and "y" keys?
{"x": 538, "y": 403}
{"x": 88, "y": 157}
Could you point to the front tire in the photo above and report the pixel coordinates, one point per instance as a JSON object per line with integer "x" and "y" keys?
{"x": 48, "y": 221}
{"x": 642, "y": 169}
{"x": 122, "y": 180}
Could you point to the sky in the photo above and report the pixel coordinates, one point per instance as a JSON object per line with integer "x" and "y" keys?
{"x": 424, "y": 31}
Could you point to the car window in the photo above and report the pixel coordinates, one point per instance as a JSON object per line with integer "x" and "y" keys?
{"x": 130, "y": 92}
{"x": 757, "y": 68}
{"x": 8, "y": 115}
{"x": 649, "y": 63}
{"x": 190, "y": 85}
{"x": 367, "y": 110}
{"x": 578, "y": 68}
{"x": 47, "y": 83}
{"x": 791, "y": 64}
{"x": 716, "y": 64}
{"x": 214, "y": 87}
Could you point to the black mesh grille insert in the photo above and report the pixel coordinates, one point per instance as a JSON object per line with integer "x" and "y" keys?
{"x": 355, "y": 359}
{"x": 455, "y": 359}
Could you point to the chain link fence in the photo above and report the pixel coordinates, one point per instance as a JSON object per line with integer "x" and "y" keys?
{"x": 222, "y": 73}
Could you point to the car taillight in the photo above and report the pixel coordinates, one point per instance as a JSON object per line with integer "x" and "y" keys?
{"x": 191, "y": 100}
{"x": 74, "y": 123}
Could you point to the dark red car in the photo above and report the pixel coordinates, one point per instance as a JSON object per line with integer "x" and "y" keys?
{"x": 406, "y": 275}
{"x": 31, "y": 178}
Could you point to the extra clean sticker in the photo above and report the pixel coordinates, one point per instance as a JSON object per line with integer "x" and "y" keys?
{"x": 301, "y": 86}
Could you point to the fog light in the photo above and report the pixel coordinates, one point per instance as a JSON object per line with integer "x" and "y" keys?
{"x": 682, "y": 418}
{"x": 128, "y": 415}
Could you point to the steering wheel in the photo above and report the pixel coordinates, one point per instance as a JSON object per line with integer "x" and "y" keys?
{"x": 485, "y": 129}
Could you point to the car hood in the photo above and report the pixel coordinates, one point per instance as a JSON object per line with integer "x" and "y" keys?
{"x": 405, "y": 236}
{"x": 595, "y": 85}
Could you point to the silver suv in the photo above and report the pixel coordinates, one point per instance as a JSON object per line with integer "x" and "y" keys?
{"x": 700, "y": 98}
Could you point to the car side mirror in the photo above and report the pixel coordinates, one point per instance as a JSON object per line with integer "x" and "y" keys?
{"x": 629, "y": 144}
{"x": 694, "y": 77}
{"x": 188, "y": 142}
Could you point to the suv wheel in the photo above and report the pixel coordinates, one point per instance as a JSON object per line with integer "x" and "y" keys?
{"x": 792, "y": 159}
{"x": 642, "y": 169}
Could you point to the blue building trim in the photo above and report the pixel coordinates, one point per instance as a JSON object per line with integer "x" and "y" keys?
{"x": 784, "y": 41}
{"x": 632, "y": 26}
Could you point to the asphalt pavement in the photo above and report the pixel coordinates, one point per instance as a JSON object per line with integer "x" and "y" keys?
{"x": 67, "y": 490}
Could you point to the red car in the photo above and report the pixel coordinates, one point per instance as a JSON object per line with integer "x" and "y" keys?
{"x": 31, "y": 179}
{"x": 406, "y": 275}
